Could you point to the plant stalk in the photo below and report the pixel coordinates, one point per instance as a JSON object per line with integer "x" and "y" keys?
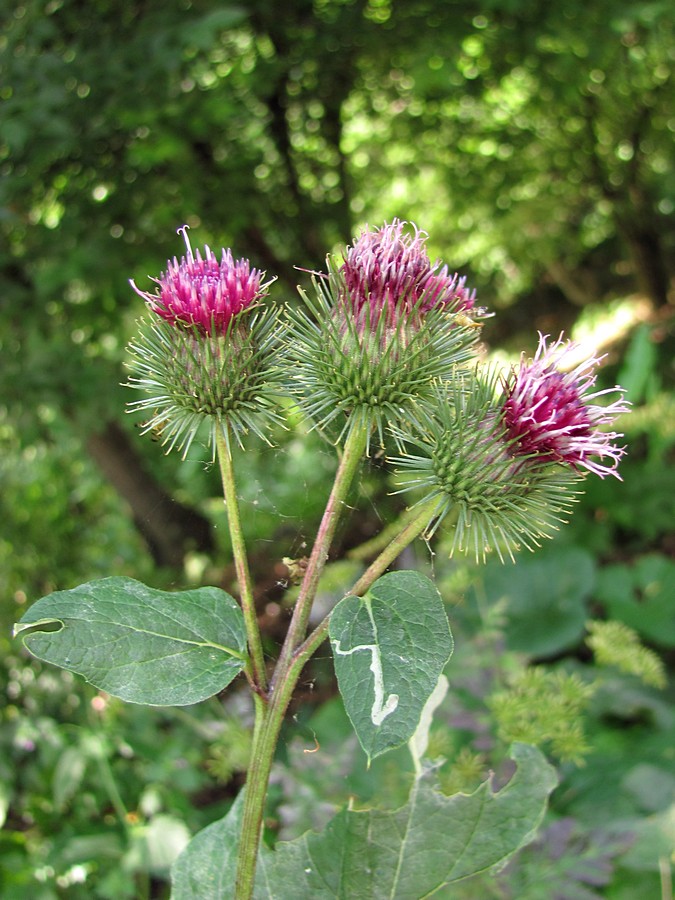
{"x": 415, "y": 526}
{"x": 257, "y": 777}
{"x": 413, "y": 529}
{"x": 257, "y": 673}
{"x": 266, "y": 734}
{"x": 284, "y": 684}
{"x": 352, "y": 454}
{"x": 270, "y": 719}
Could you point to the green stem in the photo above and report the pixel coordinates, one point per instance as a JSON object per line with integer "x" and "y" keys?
{"x": 285, "y": 681}
{"x": 110, "y": 785}
{"x": 370, "y": 548}
{"x": 256, "y": 672}
{"x": 353, "y": 452}
{"x": 257, "y": 778}
{"x": 265, "y": 736}
{"x": 424, "y": 513}
{"x": 416, "y": 525}
{"x": 270, "y": 719}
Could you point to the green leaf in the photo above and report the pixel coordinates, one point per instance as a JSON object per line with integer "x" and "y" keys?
{"x": 140, "y": 644}
{"x": 642, "y": 596}
{"x": 205, "y": 31}
{"x": 407, "y": 854}
{"x": 545, "y": 598}
{"x": 653, "y": 840}
{"x": 68, "y": 776}
{"x": 389, "y": 647}
{"x": 640, "y": 364}
{"x": 5, "y": 796}
{"x": 207, "y": 868}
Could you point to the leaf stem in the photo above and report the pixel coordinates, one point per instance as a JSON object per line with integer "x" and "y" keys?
{"x": 370, "y": 548}
{"x": 108, "y": 780}
{"x": 257, "y": 670}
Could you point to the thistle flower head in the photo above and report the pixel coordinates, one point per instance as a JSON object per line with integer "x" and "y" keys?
{"x": 506, "y": 462}
{"x": 205, "y": 293}
{"x": 200, "y": 362}
{"x": 388, "y": 272}
{"x": 461, "y": 458}
{"x": 549, "y": 412}
{"x": 383, "y": 330}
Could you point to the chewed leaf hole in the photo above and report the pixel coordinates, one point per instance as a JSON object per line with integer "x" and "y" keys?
{"x": 45, "y": 626}
{"x": 171, "y": 648}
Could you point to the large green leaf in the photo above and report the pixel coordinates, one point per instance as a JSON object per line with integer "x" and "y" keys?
{"x": 207, "y": 868}
{"x": 642, "y": 596}
{"x": 544, "y": 597}
{"x": 139, "y": 644}
{"x": 389, "y": 647}
{"x": 408, "y": 854}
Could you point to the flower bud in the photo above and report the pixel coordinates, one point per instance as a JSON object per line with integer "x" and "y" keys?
{"x": 383, "y": 332}
{"x": 463, "y": 458}
{"x": 507, "y": 458}
{"x": 210, "y": 351}
{"x": 387, "y": 274}
{"x": 205, "y": 293}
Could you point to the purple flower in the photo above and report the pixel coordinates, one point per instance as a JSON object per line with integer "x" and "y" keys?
{"x": 550, "y": 414}
{"x": 205, "y": 293}
{"x": 388, "y": 271}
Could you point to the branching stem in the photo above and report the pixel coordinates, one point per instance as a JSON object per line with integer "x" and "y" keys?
{"x": 415, "y": 526}
{"x": 284, "y": 683}
{"x": 269, "y": 719}
{"x": 354, "y": 449}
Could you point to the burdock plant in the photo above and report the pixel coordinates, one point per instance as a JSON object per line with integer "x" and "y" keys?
{"x": 379, "y": 331}
{"x": 382, "y": 352}
{"x": 505, "y": 456}
{"x": 209, "y": 353}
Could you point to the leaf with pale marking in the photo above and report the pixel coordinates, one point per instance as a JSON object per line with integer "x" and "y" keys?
{"x": 140, "y": 644}
{"x": 431, "y": 842}
{"x": 389, "y": 648}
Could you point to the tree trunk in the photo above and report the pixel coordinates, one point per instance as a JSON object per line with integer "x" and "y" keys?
{"x": 644, "y": 245}
{"x": 638, "y": 225}
{"x": 170, "y": 529}
{"x": 572, "y": 284}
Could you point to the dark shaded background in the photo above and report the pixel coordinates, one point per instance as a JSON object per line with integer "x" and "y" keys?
{"x": 532, "y": 140}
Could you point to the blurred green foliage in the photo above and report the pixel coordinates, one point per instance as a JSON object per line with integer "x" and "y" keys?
{"x": 534, "y": 143}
